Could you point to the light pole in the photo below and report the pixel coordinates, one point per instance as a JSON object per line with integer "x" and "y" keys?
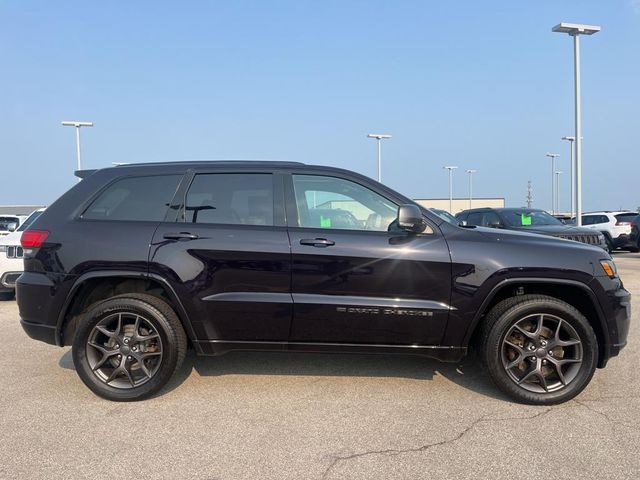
{"x": 451, "y": 169}
{"x": 77, "y": 125}
{"x": 573, "y": 200}
{"x": 575, "y": 30}
{"x": 470, "y": 171}
{"x": 553, "y": 157}
{"x": 379, "y": 137}
{"x": 558, "y": 173}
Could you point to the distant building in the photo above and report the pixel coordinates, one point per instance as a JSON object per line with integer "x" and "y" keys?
{"x": 18, "y": 209}
{"x": 460, "y": 204}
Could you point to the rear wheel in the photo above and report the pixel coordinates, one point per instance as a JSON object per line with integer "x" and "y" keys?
{"x": 538, "y": 349}
{"x": 610, "y": 246}
{"x": 128, "y": 347}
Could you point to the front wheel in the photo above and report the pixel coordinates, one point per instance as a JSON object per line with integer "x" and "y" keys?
{"x": 127, "y": 347}
{"x": 538, "y": 349}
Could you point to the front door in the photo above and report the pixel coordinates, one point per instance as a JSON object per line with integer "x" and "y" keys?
{"x": 356, "y": 278}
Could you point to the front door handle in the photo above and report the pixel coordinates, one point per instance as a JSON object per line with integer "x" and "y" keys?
{"x": 180, "y": 236}
{"x": 317, "y": 242}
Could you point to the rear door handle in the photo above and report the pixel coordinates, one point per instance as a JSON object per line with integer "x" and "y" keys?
{"x": 180, "y": 236}
{"x": 317, "y": 242}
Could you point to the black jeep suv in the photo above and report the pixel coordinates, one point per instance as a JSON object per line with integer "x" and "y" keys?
{"x": 137, "y": 263}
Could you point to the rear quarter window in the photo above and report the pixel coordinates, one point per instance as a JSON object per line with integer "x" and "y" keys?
{"x": 134, "y": 198}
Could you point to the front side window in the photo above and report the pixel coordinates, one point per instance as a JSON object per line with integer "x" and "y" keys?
{"x": 230, "y": 199}
{"x": 330, "y": 202}
{"x": 135, "y": 198}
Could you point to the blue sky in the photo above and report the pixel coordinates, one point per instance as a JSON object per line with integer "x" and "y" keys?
{"x": 482, "y": 85}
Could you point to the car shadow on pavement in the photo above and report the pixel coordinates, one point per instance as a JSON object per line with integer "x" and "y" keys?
{"x": 467, "y": 373}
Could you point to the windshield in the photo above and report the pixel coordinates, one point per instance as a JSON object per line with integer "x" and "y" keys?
{"x": 443, "y": 214}
{"x": 9, "y": 223}
{"x": 529, "y": 218}
{"x": 30, "y": 219}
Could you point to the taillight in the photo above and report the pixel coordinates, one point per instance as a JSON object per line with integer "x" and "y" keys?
{"x": 33, "y": 238}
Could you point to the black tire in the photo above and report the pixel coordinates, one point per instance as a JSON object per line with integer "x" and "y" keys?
{"x": 610, "y": 246}
{"x": 634, "y": 249}
{"x": 497, "y": 352}
{"x": 161, "y": 326}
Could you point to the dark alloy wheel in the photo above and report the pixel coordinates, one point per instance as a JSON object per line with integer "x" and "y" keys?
{"x": 127, "y": 347}
{"x": 124, "y": 350}
{"x": 539, "y": 349}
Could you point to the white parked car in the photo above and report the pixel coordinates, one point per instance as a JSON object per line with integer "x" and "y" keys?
{"x": 11, "y": 263}
{"x": 616, "y": 227}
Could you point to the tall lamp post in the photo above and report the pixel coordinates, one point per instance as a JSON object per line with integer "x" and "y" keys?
{"x": 553, "y": 157}
{"x": 451, "y": 169}
{"x": 575, "y": 30}
{"x": 470, "y": 171}
{"x": 558, "y": 173}
{"x": 78, "y": 125}
{"x": 379, "y": 137}
{"x": 573, "y": 181}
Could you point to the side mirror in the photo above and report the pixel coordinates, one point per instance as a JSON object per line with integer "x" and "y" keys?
{"x": 410, "y": 218}
{"x": 12, "y": 227}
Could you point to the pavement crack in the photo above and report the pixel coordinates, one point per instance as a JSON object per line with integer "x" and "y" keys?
{"x": 602, "y": 414}
{"x": 396, "y": 451}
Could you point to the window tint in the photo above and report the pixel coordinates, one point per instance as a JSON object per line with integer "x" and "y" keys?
{"x": 135, "y": 198}
{"x": 230, "y": 198}
{"x": 329, "y": 202}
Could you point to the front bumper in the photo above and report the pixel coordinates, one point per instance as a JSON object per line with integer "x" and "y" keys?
{"x": 615, "y": 303}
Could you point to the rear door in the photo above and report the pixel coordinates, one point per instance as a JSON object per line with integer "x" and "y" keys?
{"x": 227, "y": 253}
{"x": 353, "y": 280}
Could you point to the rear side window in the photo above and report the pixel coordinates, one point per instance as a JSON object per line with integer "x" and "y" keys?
{"x": 230, "y": 199}
{"x": 135, "y": 198}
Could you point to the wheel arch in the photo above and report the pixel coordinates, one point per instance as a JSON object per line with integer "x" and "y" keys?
{"x": 92, "y": 287}
{"x": 575, "y": 293}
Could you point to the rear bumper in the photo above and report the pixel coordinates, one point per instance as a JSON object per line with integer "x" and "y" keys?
{"x": 39, "y": 300}
{"x": 623, "y": 241}
{"x": 37, "y": 331}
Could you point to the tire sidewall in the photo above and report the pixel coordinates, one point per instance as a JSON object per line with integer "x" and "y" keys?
{"x": 502, "y": 326}
{"x": 121, "y": 305}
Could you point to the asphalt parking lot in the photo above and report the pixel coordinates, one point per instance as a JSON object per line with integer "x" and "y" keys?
{"x": 303, "y": 416}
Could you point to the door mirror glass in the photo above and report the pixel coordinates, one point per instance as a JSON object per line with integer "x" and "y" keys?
{"x": 410, "y": 218}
